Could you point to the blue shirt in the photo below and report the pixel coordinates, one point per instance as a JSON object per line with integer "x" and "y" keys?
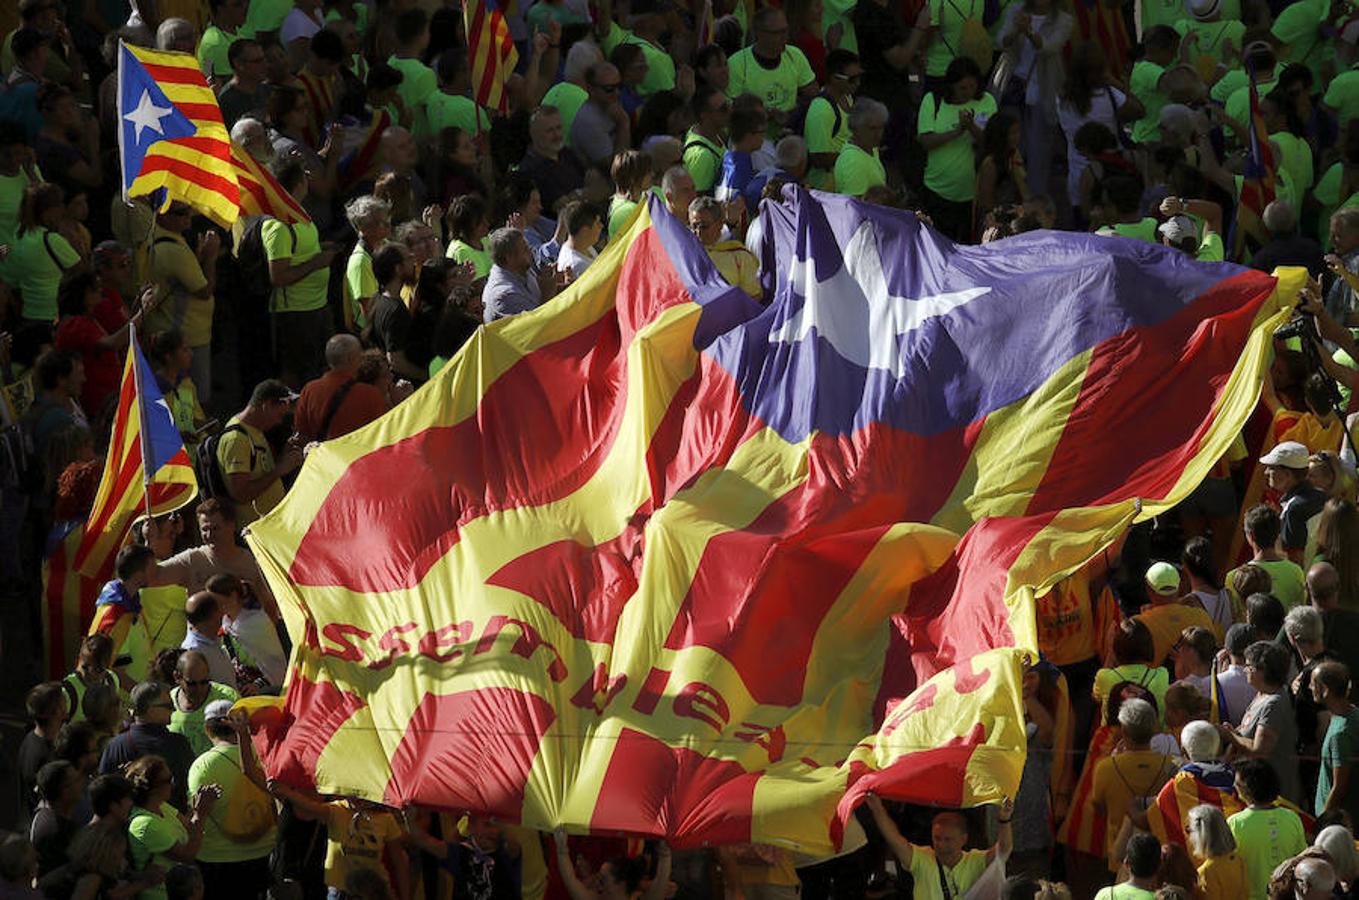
{"x": 506, "y": 294}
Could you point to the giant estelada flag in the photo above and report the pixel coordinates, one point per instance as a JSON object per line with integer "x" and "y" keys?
{"x": 655, "y": 559}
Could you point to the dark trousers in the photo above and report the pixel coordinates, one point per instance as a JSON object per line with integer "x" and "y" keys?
{"x": 952, "y": 218}
{"x": 247, "y": 880}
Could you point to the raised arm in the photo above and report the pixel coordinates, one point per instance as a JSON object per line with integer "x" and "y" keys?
{"x": 574, "y": 886}
{"x": 661, "y": 883}
{"x": 901, "y": 848}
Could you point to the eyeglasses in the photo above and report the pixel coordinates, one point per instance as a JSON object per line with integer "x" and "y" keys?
{"x": 852, "y": 79}
{"x": 610, "y": 88}
{"x": 202, "y": 682}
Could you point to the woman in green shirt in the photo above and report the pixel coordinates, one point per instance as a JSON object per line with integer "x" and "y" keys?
{"x": 157, "y": 832}
{"x": 949, "y": 126}
{"x": 468, "y": 225}
{"x": 40, "y": 256}
{"x": 632, "y": 174}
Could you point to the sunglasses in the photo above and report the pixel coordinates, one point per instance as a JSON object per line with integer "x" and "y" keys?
{"x": 203, "y": 682}
{"x": 610, "y": 88}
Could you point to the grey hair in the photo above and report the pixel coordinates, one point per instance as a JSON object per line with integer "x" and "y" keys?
{"x": 866, "y": 111}
{"x": 170, "y": 30}
{"x": 1347, "y": 218}
{"x": 366, "y": 211}
{"x": 240, "y": 132}
{"x": 502, "y": 242}
{"x": 1303, "y": 624}
{"x": 1280, "y": 217}
{"x": 1178, "y": 118}
{"x": 579, "y": 59}
{"x": 1208, "y": 829}
{"x": 1138, "y": 720}
{"x": 790, "y": 153}
{"x": 1338, "y": 843}
{"x": 341, "y": 348}
{"x": 671, "y": 179}
{"x": 1200, "y": 741}
{"x": 705, "y": 204}
{"x": 1314, "y": 875}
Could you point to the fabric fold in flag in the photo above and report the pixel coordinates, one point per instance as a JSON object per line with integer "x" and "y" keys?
{"x": 661, "y": 561}
{"x": 146, "y": 460}
{"x": 491, "y": 53}
{"x": 171, "y": 136}
{"x": 261, "y": 194}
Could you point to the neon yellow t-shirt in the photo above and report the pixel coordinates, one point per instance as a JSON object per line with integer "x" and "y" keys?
{"x": 150, "y": 836}
{"x": 1145, "y": 230}
{"x": 1208, "y": 53}
{"x": 221, "y": 765}
{"x": 1146, "y": 75}
{"x": 417, "y": 82}
{"x": 212, "y": 51}
{"x": 703, "y": 160}
{"x": 856, "y": 171}
{"x": 826, "y": 131}
{"x": 567, "y": 98}
{"x": 296, "y": 243}
{"x": 452, "y": 111}
{"x": 777, "y": 87}
{"x": 359, "y": 284}
{"x": 1342, "y": 95}
{"x": 1265, "y": 838}
{"x": 35, "y": 266}
{"x": 951, "y": 168}
{"x": 925, "y": 870}
{"x": 462, "y": 252}
{"x": 948, "y": 16}
{"x": 660, "y": 67}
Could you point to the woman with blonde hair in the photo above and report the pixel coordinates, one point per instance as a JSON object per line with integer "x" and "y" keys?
{"x": 1222, "y": 871}
{"x": 1326, "y": 472}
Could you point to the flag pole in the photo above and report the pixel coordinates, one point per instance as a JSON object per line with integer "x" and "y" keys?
{"x": 143, "y": 435}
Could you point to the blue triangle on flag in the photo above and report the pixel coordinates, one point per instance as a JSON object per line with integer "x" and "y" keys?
{"x": 145, "y": 115}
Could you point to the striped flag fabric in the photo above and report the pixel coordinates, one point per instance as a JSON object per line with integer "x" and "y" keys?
{"x": 146, "y": 459}
{"x": 490, "y": 52}
{"x": 656, "y": 560}
{"x": 705, "y": 27}
{"x": 1257, "y": 186}
{"x": 68, "y": 599}
{"x": 171, "y": 137}
{"x": 261, "y": 194}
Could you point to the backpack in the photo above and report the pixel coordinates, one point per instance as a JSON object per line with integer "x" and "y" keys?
{"x": 974, "y": 41}
{"x": 797, "y": 122}
{"x": 246, "y": 813}
{"x": 206, "y": 468}
{"x": 252, "y": 263}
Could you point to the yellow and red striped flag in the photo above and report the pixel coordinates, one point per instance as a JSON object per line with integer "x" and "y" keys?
{"x": 146, "y": 458}
{"x": 171, "y": 138}
{"x": 490, "y": 52}
{"x": 261, "y": 194}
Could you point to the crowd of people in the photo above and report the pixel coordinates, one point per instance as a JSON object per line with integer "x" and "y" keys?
{"x": 1191, "y": 730}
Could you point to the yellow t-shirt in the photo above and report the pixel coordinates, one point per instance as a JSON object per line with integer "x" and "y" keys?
{"x": 1066, "y": 621}
{"x": 1118, "y": 779}
{"x": 175, "y": 270}
{"x": 247, "y": 450}
{"x": 737, "y": 265}
{"x": 925, "y": 870}
{"x": 1168, "y": 621}
{"x": 1223, "y": 877}
{"x": 356, "y": 840}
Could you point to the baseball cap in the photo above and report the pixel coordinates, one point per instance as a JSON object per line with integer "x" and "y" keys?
{"x": 1178, "y": 228}
{"x": 1203, "y": 10}
{"x": 1288, "y": 455}
{"x": 1164, "y": 579}
{"x": 217, "y": 709}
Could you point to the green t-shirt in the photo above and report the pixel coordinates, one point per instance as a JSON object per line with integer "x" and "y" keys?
{"x": 1339, "y": 748}
{"x": 1160, "y": 12}
{"x": 296, "y": 243}
{"x": 951, "y": 168}
{"x": 620, "y": 208}
{"x": 220, "y": 764}
{"x": 778, "y": 86}
{"x": 925, "y": 869}
{"x": 1265, "y": 838}
{"x": 452, "y": 111}
{"x": 1231, "y": 81}
{"x": 1146, "y": 75}
{"x": 826, "y": 131}
{"x": 1238, "y": 104}
{"x": 12, "y": 189}
{"x": 212, "y": 51}
{"x": 1213, "y": 37}
{"x": 703, "y": 160}
{"x": 1283, "y": 185}
{"x": 947, "y": 17}
{"x": 836, "y": 12}
{"x": 1211, "y": 248}
{"x": 248, "y": 452}
{"x": 1145, "y": 230}
{"x": 1327, "y": 194}
{"x": 1124, "y": 891}
{"x": 856, "y": 171}
{"x": 462, "y": 252}
{"x": 1342, "y": 95}
{"x": 35, "y": 266}
{"x": 567, "y": 98}
{"x": 660, "y": 67}
{"x": 150, "y": 836}
{"x": 436, "y": 364}
{"x": 1298, "y": 28}
{"x": 190, "y": 724}
{"x": 1287, "y": 581}
{"x": 417, "y": 82}
{"x": 1297, "y": 159}
{"x": 359, "y": 282}
{"x": 265, "y": 15}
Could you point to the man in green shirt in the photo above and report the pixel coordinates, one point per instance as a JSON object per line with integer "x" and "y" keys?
{"x": 187, "y": 280}
{"x": 1266, "y": 834}
{"x": 1337, "y": 786}
{"x": 240, "y": 830}
{"x": 943, "y": 869}
{"x": 1161, "y": 43}
{"x": 227, "y": 18}
{"x": 1303, "y": 31}
{"x": 858, "y": 167}
{"x": 1143, "y": 859}
{"x": 770, "y": 69}
{"x": 299, "y": 270}
{"x": 265, "y": 17}
{"x": 452, "y": 106}
{"x": 705, "y": 143}
{"x": 194, "y": 689}
{"x": 417, "y": 79}
{"x": 946, "y": 32}
{"x": 826, "y": 128}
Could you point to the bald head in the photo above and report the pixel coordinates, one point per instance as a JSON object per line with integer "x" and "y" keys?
{"x": 191, "y": 664}
{"x": 1323, "y": 586}
{"x": 203, "y": 613}
{"x": 343, "y": 352}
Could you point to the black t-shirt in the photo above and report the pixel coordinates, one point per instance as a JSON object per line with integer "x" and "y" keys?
{"x": 35, "y": 751}
{"x": 391, "y": 324}
{"x": 554, "y": 178}
{"x": 478, "y": 875}
{"x": 51, "y": 836}
{"x": 879, "y": 29}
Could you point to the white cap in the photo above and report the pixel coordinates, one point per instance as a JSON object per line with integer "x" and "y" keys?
{"x": 1178, "y": 228}
{"x": 1203, "y": 10}
{"x": 1288, "y": 455}
{"x": 217, "y": 709}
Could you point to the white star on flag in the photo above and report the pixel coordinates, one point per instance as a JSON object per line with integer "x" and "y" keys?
{"x": 147, "y": 115}
{"x": 855, "y": 312}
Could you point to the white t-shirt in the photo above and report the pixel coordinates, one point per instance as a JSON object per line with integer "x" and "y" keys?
{"x": 299, "y": 25}
{"x": 254, "y": 635}
{"x": 1103, "y": 109}
{"x": 573, "y": 259}
{"x": 1236, "y": 692}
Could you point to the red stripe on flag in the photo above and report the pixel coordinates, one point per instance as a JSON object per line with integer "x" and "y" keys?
{"x": 176, "y": 74}
{"x": 191, "y": 173}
